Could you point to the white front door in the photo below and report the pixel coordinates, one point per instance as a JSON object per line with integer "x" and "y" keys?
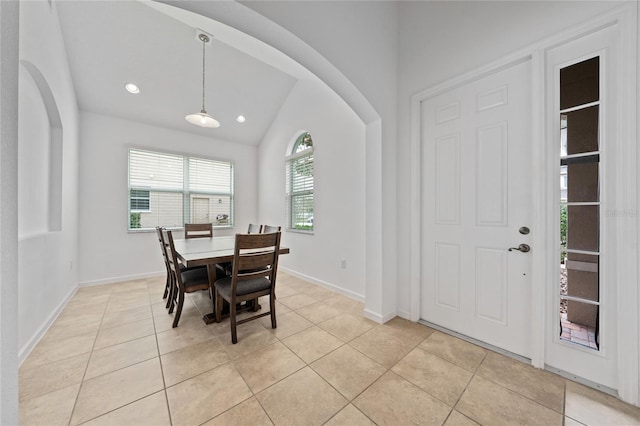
{"x": 476, "y": 197}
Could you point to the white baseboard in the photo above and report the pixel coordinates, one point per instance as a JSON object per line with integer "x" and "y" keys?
{"x": 123, "y": 278}
{"x": 380, "y": 319}
{"x": 329, "y": 286}
{"x": 406, "y": 315}
{"x": 24, "y": 352}
{"x": 42, "y": 330}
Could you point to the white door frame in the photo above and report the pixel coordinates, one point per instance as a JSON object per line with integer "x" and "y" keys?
{"x": 543, "y": 230}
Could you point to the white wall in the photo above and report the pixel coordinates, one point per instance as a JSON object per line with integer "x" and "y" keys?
{"x": 441, "y": 40}
{"x": 108, "y": 252}
{"x": 339, "y": 185}
{"x": 47, "y": 259}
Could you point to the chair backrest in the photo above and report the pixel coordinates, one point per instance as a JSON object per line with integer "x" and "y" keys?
{"x": 198, "y": 230}
{"x": 255, "y": 256}
{"x": 172, "y": 257}
{"x": 162, "y": 247}
{"x": 268, "y": 229}
{"x": 254, "y": 229}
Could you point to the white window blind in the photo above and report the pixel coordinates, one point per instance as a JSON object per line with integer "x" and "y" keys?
{"x": 299, "y": 185}
{"x": 170, "y": 190}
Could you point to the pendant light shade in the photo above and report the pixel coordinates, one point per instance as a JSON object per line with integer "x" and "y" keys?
{"x": 201, "y": 118}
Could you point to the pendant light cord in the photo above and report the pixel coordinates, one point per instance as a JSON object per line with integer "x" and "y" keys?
{"x": 203, "y": 44}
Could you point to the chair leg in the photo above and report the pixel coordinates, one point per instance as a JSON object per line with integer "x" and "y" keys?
{"x": 179, "y": 309}
{"x": 272, "y": 308}
{"x": 232, "y": 314}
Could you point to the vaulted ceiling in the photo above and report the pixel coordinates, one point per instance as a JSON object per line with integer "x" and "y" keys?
{"x": 110, "y": 43}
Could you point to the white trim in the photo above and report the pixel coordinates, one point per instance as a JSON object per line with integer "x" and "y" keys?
{"x": 123, "y": 278}
{"x": 582, "y": 381}
{"x": 539, "y": 216}
{"x": 627, "y": 196}
{"x": 580, "y": 299}
{"x": 580, "y": 203}
{"x": 404, "y": 314}
{"x": 26, "y": 349}
{"x": 582, "y": 154}
{"x": 295, "y": 156}
{"x": 587, "y": 252}
{"x": 380, "y": 319}
{"x": 579, "y": 107}
{"x": 415, "y": 259}
{"x": 628, "y": 297}
{"x": 328, "y": 286}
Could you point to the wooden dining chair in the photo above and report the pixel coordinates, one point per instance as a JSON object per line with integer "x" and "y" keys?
{"x": 254, "y": 229}
{"x": 185, "y": 281}
{"x": 168, "y": 284}
{"x": 226, "y": 267}
{"x": 268, "y": 229}
{"x": 255, "y": 264}
{"x": 198, "y": 230}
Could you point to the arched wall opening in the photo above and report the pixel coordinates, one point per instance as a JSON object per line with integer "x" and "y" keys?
{"x": 241, "y": 18}
{"x": 46, "y": 148}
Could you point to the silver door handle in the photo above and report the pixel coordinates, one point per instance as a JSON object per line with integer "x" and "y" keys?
{"x": 524, "y": 248}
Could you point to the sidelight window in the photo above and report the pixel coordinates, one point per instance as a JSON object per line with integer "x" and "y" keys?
{"x": 580, "y": 107}
{"x": 299, "y": 184}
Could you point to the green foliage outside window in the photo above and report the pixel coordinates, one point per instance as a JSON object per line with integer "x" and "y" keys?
{"x": 134, "y": 221}
{"x": 563, "y": 232}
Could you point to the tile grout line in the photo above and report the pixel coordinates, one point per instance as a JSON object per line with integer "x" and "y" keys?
{"x": 520, "y": 394}
{"x": 164, "y": 383}
{"x": 476, "y": 373}
{"x": 75, "y": 403}
{"x": 131, "y": 402}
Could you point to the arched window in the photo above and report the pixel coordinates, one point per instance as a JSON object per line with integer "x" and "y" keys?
{"x": 299, "y": 182}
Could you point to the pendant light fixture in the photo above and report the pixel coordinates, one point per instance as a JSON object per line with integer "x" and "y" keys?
{"x": 201, "y": 118}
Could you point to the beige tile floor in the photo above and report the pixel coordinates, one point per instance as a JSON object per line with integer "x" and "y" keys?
{"x": 112, "y": 358}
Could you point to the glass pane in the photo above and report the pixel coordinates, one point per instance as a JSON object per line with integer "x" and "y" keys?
{"x": 302, "y": 174}
{"x": 582, "y": 183}
{"x": 303, "y": 142}
{"x": 581, "y": 130}
{"x": 579, "y": 323}
{"x": 155, "y": 170}
{"x": 579, "y": 83}
{"x": 583, "y": 228}
{"x": 210, "y": 176}
{"x": 564, "y": 182}
{"x": 302, "y": 212}
{"x": 165, "y": 209}
{"x": 583, "y": 276}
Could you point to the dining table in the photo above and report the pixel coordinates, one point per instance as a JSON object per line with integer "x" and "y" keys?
{"x": 209, "y": 252}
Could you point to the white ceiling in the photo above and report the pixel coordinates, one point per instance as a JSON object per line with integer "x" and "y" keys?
{"x": 110, "y": 43}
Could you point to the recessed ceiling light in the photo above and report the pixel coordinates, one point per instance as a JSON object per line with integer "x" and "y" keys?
{"x": 241, "y": 119}
{"x": 132, "y": 88}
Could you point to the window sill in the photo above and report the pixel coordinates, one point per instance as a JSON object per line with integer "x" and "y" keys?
{"x": 178, "y": 228}
{"x": 300, "y": 231}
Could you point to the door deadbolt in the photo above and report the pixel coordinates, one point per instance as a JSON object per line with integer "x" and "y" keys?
{"x": 524, "y": 230}
{"x": 524, "y": 248}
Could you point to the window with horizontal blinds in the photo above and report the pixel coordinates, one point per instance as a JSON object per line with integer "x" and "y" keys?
{"x": 170, "y": 190}
{"x": 299, "y": 185}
